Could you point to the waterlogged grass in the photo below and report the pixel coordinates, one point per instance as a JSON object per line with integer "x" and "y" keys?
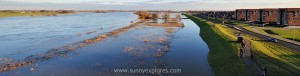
{"x": 12, "y": 14}
{"x": 223, "y": 56}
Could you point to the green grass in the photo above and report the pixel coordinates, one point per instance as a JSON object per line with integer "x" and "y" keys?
{"x": 223, "y": 56}
{"x": 285, "y": 33}
{"x": 12, "y": 14}
{"x": 276, "y": 31}
{"x": 270, "y": 32}
{"x": 279, "y": 60}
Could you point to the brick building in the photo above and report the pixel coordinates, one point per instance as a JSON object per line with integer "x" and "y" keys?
{"x": 270, "y": 16}
{"x": 289, "y": 16}
{"x": 274, "y": 16}
{"x": 240, "y": 14}
{"x": 253, "y": 15}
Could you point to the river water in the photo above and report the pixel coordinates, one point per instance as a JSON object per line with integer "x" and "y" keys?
{"x": 142, "y": 47}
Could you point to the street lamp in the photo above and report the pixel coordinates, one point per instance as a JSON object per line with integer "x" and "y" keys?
{"x": 223, "y": 20}
{"x": 294, "y": 31}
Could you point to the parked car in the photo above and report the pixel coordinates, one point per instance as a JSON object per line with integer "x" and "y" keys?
{"x": 272, "y": 39}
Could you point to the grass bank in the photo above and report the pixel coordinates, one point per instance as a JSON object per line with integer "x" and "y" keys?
{"x": 287, "y": 33}
{"x": 223, "y": 56}
{"x": 10, "y": 14}
{"x": 280, "y": 61}
{"x": 29, "y": 13}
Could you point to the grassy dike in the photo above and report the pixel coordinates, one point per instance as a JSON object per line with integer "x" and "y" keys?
{"x": 279, "y": 60}
{"x": 223, "y": 56}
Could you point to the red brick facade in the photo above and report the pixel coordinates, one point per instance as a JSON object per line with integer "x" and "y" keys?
{"x": 293, "y": 15}
{"x": 279, "y": 16}
{"x": 253, "y": 15}
{"x": 270, "y": 15}
{"x": 240, "y": 14}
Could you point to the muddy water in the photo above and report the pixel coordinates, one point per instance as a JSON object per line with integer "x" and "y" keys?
{"x": 141, "y": 47}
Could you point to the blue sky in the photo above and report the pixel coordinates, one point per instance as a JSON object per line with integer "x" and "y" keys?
{"x": 147, "y": 4}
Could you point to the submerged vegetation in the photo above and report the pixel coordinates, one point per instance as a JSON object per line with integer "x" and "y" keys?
{"x": 160, "y": 46}
{"x": 164, "y": 17}
{"x": 9, "y": 64}
{"x": 146, "y": 15}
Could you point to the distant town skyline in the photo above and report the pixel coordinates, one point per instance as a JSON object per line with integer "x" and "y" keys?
{"x": 145, "y": 4}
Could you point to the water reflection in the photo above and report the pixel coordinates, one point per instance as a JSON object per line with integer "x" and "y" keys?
{"x": 24, "y": 36}
{"x": 141, "y": 47}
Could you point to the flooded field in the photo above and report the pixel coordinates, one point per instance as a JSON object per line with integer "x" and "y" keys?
{"x": 99, "y": 44}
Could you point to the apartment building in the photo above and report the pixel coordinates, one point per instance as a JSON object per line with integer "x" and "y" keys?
{"x": 289, "y": 16}
{"x": 240, "y": 14}
{"x": 270, "y": 16}
{"x": 253, "y": 15}
{"x": 273, "y": 16}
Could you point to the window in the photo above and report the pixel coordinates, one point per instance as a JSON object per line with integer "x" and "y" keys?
{"x": 268, "y": 12}
{"x": 294, "y": 13}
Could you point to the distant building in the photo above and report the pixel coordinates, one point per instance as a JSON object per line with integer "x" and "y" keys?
{"x": 253, "y": 15}
{"x": 270, "y": 16}
{"x": 274, "y": 16}
{"x": 240, "y": 14}
{"x": 289, "y": 16}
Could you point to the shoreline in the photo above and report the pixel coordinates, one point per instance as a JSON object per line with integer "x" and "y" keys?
{"x": 4, "y": 14}
{"x": 266, "y": 54}
{"x": 222, "y": 56}
{"x": 63, "y": 50}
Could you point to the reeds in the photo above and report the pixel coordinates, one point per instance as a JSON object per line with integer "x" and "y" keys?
{"x": 170, "y": 30}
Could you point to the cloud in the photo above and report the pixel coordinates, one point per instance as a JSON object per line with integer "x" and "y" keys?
{"x": 147, "y": 4}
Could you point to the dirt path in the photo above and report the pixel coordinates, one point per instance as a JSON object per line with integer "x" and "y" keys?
{"x": 250, "y": 64}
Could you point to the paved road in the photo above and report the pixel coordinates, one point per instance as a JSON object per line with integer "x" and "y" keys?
{"x": 291, "y": 45}
{"x": 250, "y": 64}
{"x": 280, "y": 42}
{"x": 246, "y": 57}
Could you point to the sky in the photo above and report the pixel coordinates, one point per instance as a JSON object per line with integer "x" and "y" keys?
{"x": 145, "y": 4}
